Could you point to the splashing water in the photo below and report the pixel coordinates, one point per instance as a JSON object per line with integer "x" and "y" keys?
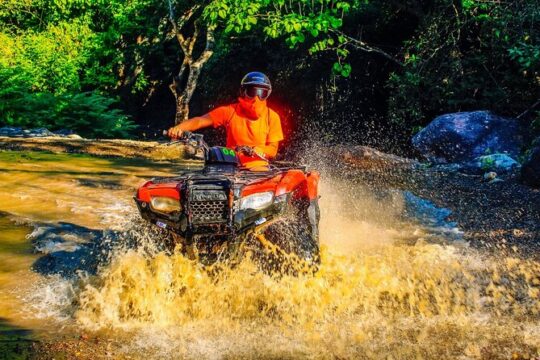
{"x": 421, "y": 301}
{"x": 383, "y": 299}
{"x": 384, "y": 289}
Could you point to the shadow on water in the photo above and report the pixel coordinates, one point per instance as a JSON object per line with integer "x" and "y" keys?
{"x": 15, "y": 342}
{"x": 70, "y": 249}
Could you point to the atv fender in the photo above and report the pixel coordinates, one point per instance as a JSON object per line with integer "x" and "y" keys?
{"x": 150, "y": 189}
{"x": 292, "y": 180}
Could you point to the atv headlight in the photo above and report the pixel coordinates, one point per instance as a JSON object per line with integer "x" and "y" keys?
{"x": 257, "y": 201}
{"x": 165, "y": 204}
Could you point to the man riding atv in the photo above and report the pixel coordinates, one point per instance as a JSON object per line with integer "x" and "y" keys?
{"x": 252, "y": 127}
{"x": 239, "y": 196}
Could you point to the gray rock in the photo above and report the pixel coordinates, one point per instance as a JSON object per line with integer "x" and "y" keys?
{"x": 11, "y": 131}
{"x": 500, "y": 163}
{"x": 32, "y": 133}
{"x": 462, "y": 137}
{"x": 489, "y": 176}
{"x": 64, "y": 132}
{"x": 530, "y": 171}
{"x": 433, "y": 218}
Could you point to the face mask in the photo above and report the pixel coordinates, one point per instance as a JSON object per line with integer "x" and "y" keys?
{"x": 252, "y": 108}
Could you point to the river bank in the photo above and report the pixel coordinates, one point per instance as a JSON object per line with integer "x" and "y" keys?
{"x": 105, "y": 148}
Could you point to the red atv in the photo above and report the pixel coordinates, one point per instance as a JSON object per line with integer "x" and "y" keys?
{"x": 214, "y": 212}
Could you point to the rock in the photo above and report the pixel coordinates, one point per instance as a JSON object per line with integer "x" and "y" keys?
{"x": 9, "y": 131}
{"x": 64, "y": 132}
{"x": 530, "y": 171}
{"x": 74, "y": 136}
{"x": 364, "y": 157}
{"x": 434, "y": 218}
{"x": 462, "y": 137}
{"x": 39, "y": 132}
{"x": 500, "y": 163}
{"x": 490, "y": 176}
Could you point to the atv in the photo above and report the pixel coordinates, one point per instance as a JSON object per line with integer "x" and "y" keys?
{"x": 214, "y": 212}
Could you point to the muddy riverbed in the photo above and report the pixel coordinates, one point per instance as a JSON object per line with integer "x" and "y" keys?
{"x": 82, "y": 277}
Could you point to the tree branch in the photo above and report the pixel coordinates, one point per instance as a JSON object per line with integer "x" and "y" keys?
{"x": 178, "y": 24}
{"x": 193, "y": 39}
{"x": 360, "y": 45}
{"x": 526, "y": 113}
{"x": 208, "y": 50}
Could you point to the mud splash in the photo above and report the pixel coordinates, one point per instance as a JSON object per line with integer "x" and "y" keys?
{"x": 384, "y": 293}
{"x": 387, "y": 287}
{"x": 424, "y": 301}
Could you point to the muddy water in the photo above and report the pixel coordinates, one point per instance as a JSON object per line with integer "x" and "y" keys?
{"x": 387, "y": 287}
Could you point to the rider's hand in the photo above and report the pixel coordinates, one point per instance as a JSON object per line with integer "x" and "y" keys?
{"x": 247, "y": 150}
{"x": 175, "y": 132}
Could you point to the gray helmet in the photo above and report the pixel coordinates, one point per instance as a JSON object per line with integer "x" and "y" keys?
{"x": 255, "y": 84}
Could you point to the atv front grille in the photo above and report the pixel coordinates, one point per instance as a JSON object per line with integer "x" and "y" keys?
{"x": 209, "y": 212}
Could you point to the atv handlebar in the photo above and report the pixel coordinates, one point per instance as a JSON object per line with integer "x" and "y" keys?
{"x": 197, "y": 140}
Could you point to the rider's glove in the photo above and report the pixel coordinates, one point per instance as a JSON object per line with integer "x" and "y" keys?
{"x": 175, "y": 133}
{"x": 247, "y": 150}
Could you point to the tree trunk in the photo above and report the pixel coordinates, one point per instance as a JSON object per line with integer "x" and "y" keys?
{"x": 185, "y": 83}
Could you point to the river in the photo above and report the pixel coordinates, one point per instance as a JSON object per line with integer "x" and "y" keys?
{"x": 77, "y": 264}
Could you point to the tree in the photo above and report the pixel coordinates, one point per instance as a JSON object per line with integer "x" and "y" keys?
{"x": 185, "y": 81}
{"x": 45, "y": 48}
{"x": 317, "y": 22}
{"x": 467, "y": 55}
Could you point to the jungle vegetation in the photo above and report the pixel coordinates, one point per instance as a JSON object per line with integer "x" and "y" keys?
{"x": 363, "y": 71}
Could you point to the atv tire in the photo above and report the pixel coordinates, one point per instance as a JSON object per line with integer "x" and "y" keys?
{"x": 290, "y": 245}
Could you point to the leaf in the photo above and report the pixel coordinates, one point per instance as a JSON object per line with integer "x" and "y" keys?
{"x": 335, "y": 22}
{"x": 346, "y": 70}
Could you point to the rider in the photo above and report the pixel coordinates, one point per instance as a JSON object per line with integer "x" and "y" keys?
{"x": 252, "y": 127}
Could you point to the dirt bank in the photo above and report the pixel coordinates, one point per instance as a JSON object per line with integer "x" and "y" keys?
{"x": 108, "y": 148}
{"x": 501, "y": 216}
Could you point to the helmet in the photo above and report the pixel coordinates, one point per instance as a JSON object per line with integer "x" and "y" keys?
{"x": 255, "y": 84}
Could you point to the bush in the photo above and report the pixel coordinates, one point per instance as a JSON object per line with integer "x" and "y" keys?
{"x": 470, "y": 56}
{"x": 89, "y": 114}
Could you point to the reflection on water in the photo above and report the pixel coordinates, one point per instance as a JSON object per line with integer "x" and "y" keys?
{"x": 386, "y": 288}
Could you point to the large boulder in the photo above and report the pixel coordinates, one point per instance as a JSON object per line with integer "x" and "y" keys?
{"x": 462, "y": 137}
{"x": 530, "y": 171}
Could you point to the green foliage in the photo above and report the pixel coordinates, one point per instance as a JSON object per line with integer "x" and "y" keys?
{"x": 56, "y": 62}
{"x": 53, "y": 58}
{"x": 482, "y": 55}
{"x": 63, "y": 61}
{"x": 318, "y": 22}
{"x": 87, "y": 113}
